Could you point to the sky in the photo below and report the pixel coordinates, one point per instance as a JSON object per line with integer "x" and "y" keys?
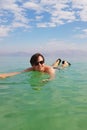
{"x": 43, "y": 25}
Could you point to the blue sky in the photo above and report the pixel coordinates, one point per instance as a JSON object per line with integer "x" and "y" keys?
{"x": 43, "y": 25}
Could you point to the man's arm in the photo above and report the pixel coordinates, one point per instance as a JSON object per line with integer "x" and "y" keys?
{"x": 5, "y": 75}
{"x": 51, "y": 73}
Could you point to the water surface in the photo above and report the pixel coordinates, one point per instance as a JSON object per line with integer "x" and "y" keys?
{"x": 28, "y": 104}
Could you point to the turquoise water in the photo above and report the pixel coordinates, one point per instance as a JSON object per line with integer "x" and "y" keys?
{"x": 28, "y": 104}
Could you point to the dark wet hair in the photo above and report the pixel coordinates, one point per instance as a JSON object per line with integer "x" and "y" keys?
{"x": 34, "y": 58}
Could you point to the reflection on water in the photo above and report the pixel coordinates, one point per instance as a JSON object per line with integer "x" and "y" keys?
{"x": 36, "y": 80}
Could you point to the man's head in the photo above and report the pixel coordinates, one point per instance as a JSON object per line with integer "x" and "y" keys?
{"x": 35, "y": 59}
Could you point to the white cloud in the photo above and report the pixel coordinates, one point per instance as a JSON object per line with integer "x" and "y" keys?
{"x": 32, "y": 5}
{"x": 4, "y": 31}
{"x": 85, "y": 31}
{"x": 52, "y": 46}
{"x": 16, "y": 15}
{"x": 55, "y": 45}
{"x": 43, "y": 25}
{"x": 18, "y": 24}
{"x": 38, "y": 18}
{"x": 82, "y": 33}
{"x": 81, "y": 6}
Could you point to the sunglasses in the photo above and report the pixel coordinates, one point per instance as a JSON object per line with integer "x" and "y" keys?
{"x": 40, "y": 62}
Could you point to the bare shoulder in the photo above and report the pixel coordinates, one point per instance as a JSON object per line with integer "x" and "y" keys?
{"x": 49, "y": 69}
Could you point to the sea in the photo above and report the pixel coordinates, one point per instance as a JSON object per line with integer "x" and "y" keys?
{"x": 27, "y": 103}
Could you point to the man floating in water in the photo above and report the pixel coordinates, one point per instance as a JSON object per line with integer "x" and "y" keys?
{"x": 37, "y": 62}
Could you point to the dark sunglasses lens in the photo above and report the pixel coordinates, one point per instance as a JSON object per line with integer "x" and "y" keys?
{"x": 41, "y": 62}
{"x": 37, "y": 63}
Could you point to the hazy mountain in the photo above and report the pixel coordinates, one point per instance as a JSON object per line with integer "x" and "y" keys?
{"x": 64, "y": 53}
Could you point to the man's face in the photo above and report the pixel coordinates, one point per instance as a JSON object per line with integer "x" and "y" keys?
{"x": 39, "y": 65}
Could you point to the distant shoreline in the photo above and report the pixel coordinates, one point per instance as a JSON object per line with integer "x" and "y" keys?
{"x": 56, "y": 53}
